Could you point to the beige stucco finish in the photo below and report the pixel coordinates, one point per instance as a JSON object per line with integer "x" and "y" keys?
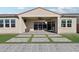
{"x": 67, "y": 29}
{"x": 38, "y": 12}
{"x": 10, "y": 29}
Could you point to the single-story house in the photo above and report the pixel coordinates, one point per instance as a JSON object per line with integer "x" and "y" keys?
{"x": 39, "y": 19}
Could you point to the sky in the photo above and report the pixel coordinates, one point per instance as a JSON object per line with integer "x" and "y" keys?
{"x": 16, "y": 10}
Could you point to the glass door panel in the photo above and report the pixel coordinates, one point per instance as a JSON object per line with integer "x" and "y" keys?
{"x": 40, "y": 26}
{"x": 44, "y": 26}
{"x": 51, "y": 26}
{"x": 35, "y": 26}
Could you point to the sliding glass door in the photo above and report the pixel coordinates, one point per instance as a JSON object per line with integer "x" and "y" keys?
{"x": 39, "y": 26}
{"x": 51, "y": 26}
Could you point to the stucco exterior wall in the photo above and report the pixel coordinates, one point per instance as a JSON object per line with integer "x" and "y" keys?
{"x": 39, "y": 13}
{"x": 10, "y": 29}
{"x": 67, "y": 29}
{"x": 21, "y": 25}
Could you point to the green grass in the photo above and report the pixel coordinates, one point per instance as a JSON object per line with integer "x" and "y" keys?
{"x": 5, "y": 37}
{"x": 31, "y": 38}
{"x": 73, "y": 37}
{"x": 49, "y": 38}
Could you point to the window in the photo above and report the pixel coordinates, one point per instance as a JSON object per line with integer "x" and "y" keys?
{"x": 69, "y": 23}
{"x": 63, "y": 23}
{"x": 6, "y": 22}
{"x": 12, "y": 22}
{"x": 1, "y": 23}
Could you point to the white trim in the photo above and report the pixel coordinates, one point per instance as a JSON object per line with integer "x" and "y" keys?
{"x": 9, "y": 22}
{"x": 4, "y": 23}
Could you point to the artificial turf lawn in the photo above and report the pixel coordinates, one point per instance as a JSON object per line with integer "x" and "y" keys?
{"x": 5, "y": 37}
{"x": 72, "y": 37}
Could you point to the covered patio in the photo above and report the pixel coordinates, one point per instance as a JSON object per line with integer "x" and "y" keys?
{"x": 39, "y": 19}
{"x": 40, "y": 23}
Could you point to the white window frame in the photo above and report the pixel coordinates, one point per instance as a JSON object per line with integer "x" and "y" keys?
{"x": 13, "y": 23}
{"x": 3, "y": 23}
{"x": 63, "y": 23}
{"x": 69, "y": 23}
{"x": 66, "y": 24}
{"x": 7, "y": 23}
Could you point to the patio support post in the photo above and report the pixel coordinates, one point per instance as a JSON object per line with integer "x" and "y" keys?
{"x": 20, "y": 18}
{"x": 21, "y": 25}
{"x": 58, "y": 24}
